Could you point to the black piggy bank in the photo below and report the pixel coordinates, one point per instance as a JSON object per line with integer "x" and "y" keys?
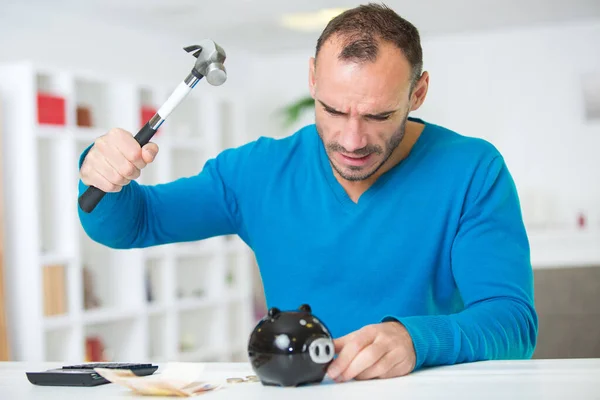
{"x": 290, "y": 348}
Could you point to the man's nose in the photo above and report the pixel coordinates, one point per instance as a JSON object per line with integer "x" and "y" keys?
{"x": 351, "y": 137}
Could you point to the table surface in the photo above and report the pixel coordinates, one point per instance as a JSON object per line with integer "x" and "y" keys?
{"x": 530, "y": 379}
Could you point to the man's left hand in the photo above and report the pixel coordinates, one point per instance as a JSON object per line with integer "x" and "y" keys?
{"x": 383, "y": 350}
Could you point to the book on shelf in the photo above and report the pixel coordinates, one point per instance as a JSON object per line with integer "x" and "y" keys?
{"x": 51, "y": 109}
{"x": 54, "y": 283}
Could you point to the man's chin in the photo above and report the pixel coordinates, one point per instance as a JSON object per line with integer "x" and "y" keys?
{"x": 355, "y": 174}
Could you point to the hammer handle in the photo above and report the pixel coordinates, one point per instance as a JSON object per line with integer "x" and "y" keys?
{"x": 92, "y": 196}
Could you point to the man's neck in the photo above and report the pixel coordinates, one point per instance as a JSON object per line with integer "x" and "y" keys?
{"x": 355, "y": 189}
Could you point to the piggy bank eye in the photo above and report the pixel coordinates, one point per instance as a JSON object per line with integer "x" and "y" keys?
{"x": 273, "y": 311}
{"x": 305, "y": 308}
{"x": 321, "y": 350}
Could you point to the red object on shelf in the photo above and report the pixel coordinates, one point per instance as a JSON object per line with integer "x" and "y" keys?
{"x": 147, "y": 113}
{"x": 581, "y": 220}
{"x": 94, "y": 349}
{"x": 51, "y": 109}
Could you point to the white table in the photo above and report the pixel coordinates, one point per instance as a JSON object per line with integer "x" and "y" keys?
{"x": 532, "y": 379}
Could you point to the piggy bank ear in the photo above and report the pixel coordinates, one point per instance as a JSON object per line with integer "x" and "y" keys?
{"x": 305, "y": 308}
{"x": 273, "y": 311}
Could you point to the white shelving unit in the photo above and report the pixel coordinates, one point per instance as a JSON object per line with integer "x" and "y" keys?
{"x": 565, "y": 248}
{"x": 190, "y": 302}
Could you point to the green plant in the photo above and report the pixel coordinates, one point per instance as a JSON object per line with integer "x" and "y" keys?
{"x": 293, "y": 111}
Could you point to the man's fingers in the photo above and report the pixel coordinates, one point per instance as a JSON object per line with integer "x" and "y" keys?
{"x": 352, "y": 345}
{"x": 340, "y": 342}
{"x": 102, "y": 183}
{"x": 110, "y": 173}
{"x": 400, "y": 369}
{"x": 149, "y": 152}
{"x": 379, "y": 369}
{"x": 367, "y": 358}
{"x": 124, "y": 167}
{"x": 128, "y": 147}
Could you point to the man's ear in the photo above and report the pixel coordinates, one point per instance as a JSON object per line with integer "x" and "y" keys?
{"x": 311, "y": 76}
{"x": 419, "y": 92}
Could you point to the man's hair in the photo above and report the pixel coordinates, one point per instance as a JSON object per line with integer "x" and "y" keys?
{"x": 362, "y": 27}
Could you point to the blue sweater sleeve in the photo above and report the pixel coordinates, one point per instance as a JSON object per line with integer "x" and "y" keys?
{"x": 491, "y": 266}
{"x": 187, "y": 209}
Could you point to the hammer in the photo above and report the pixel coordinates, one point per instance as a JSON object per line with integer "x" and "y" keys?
{"x": 210, "y": 58}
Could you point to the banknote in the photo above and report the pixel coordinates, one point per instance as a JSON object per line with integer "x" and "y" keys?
{"x": 182, "y": 380}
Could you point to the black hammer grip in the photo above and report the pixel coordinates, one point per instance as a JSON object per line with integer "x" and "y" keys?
{"x": 92, "y": 196}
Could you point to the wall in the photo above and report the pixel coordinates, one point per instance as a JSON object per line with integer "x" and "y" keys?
{"x": 521, "y": 89}
{"x": 55, "y": 37}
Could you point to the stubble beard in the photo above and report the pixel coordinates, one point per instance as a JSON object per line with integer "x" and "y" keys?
{"x": 357, "y": 174}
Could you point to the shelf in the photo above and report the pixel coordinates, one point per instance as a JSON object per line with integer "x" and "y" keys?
{"x": 94, "y": 96}
{"x": 198, "y": 277}
{"x": 180, "y": 143}
{"x": 157, "y": 349}
{"x": 88, "y": 135}
{"x": 108, "y": 315}
{"x": 99, "y": 273}
{"x": 119, "y": 341}
{"x": 154, "y": 276}
{"x": 239, "y": 323}
{"x": 203, "y": 355}
{"x": 197, "y": 249}
{"x": 58, "y": 322}
{"x": 236, "y": 245}
{"x": 62, "y": 345}
{"x": 565, "y": 248}
{"x": 185, "y": 121}
{"x": 202, "y": 248}
{"x": 55, "y": 259}
{"x": 81, "y": 134}
{"x": 199, "y": 330}
{"x": 196, "y": 304}
{"x": 51, "y": 131}
{"x": 227, "y": 125}
{"x": 156, "y": 309}
{"x": 187, "y": 161}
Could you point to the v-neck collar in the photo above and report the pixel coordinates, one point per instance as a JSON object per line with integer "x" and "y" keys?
{"x": 339, "y": 191}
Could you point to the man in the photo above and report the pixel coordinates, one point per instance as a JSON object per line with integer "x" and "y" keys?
{"x": 405, "y": 238}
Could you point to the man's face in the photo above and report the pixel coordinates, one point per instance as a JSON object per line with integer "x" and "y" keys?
{"x": 361, "y": 108}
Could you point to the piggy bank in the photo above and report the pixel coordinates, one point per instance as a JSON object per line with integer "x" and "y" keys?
{"x": 290, "y": 348}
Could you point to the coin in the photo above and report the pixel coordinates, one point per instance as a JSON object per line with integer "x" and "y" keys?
{"x": 252, "y": 378}
{"x": 235, "y": 380}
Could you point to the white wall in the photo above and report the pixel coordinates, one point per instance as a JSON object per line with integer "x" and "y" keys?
{"x": 55, "y": 37}
{"x": 521, "y": 89}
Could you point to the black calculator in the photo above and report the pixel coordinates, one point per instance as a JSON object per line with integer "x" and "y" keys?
{"x": 84, "y": 374}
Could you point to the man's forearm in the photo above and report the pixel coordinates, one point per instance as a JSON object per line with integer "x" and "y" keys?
{"x": 186, "y": 209}
{"x": 495, "y": 329}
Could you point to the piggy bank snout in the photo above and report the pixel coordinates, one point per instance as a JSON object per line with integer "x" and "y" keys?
{"x": 321, "y": 350}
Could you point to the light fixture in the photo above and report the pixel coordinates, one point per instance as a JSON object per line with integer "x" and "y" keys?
{"x": 310, "y": 21}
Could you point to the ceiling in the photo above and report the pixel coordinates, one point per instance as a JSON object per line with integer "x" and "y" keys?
{"x": 254, "y": 24}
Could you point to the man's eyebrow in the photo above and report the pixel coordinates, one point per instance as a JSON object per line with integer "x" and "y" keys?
{"x": 378, "y": 115}
{"x": 381, "y": 114}
{"x": 329, "y": 107}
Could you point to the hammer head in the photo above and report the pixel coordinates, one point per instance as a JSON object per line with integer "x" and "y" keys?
{"x": 210, "y": 58}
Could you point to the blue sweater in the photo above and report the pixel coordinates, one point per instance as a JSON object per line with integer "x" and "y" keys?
{"x": 437, "y": 243}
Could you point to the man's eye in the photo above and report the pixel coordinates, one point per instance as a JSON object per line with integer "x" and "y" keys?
{"x": 379, "y": 117}
{"x": 333, "y": 112}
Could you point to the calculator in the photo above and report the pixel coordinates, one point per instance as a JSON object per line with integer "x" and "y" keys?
{"x": 84, "y": 374}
